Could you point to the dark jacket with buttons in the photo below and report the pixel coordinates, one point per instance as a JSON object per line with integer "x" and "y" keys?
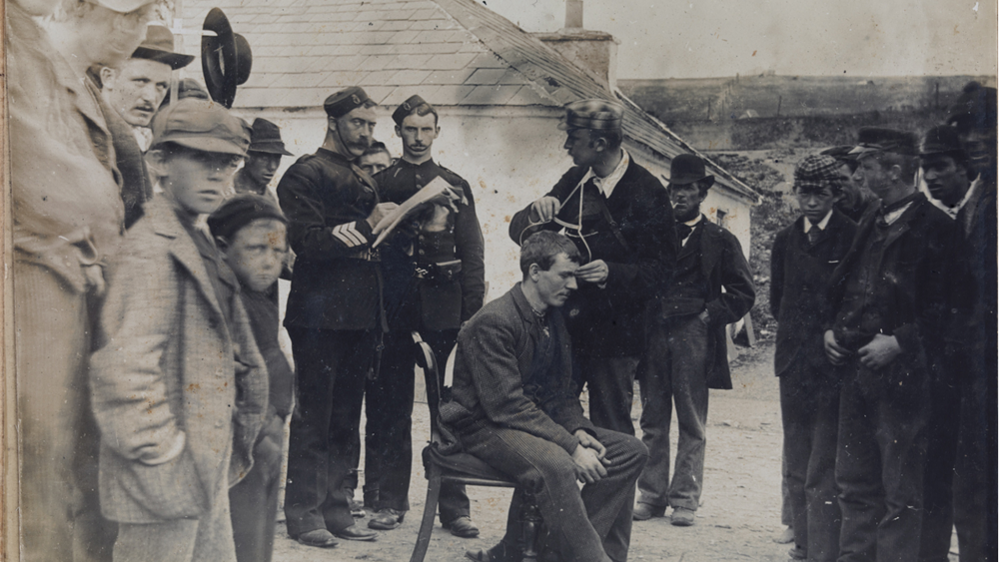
{"x": 335, "y": 283}
{"x": 436, "y": 298}
{"x": 800, "y": 272}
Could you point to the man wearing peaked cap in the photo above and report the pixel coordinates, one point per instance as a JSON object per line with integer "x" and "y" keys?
{"x": 686, "y": 353}
{"x": 619, "y": 216}
{"x": 178, "y": 417}
{"x": 262, "y": 159}
{"x": 334, "y": 316}
{"x": 893, "y": 297}
{"x": 856, "y": 199}
{"x": 435, "y": 281}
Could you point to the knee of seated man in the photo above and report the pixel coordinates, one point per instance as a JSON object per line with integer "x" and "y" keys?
{"x": 548, "y": 471}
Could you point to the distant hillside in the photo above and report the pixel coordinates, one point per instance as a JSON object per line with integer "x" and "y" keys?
{"x": 715, "y": 99}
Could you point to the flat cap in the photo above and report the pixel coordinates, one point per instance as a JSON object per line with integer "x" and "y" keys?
{"x": 158, "y": 47}
{"x": 240, "y": 211}
{"x": 975, "y": 109}
{"x": 345, "y": 101}
{"x": 595, "y": 114}
{"x": 685, "y": 169}
{"x": 942, "y": 139}
{"x": 407, "y": 108}
{"x": 201, "y": 125}
{"x": 817, "y": 171}
{"x": 876, "y": 139}
{"x": 266, "y": 137}
{"x": 840, "y": 153}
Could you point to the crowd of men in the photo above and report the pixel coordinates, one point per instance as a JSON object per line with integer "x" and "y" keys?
{"x": 153, "y": 393}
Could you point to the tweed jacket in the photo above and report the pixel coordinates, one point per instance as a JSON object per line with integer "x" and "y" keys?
{"x": 492, "y": 364}
{"x": 799, "y": 289}
{"x": 335, "y": 282}
{"x": 437, "y": 304}
{"x": 922, "y": 265}
{"x": 609, "y": 321}
{"x": 167, "y": 362}
{"x": 723, "y": 266}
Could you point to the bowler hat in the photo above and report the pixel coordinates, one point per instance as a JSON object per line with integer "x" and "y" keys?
{"x": 877, "y": 139}
{"x": 201, "y": 125}
{"x": 158, "y": 47}
{"x": 343, "y": 102}
{"x": 226, "y": 58}
{"x": 685, "y": 169}
{"x": 407, "y": 108}
{"x": 942, "y": 139}
{"x": 266, "y": 137}
{"x": 240, "y": 211}
{"x": 595, "y": 114}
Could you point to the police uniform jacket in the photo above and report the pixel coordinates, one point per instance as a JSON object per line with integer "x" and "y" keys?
{"x": 799, "y": 289}
{"x": 335, "y": 283}
{"x": 425, "y": 287}
{"x": 609, "y": 321}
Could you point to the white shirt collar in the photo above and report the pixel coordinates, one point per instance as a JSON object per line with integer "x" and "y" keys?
{"x": 607, "y": 184}
{"x": 822, "y": 223}
{"x": 897, "y": 213}
{"x": 691, "y": 223}
{"x": 953, "y": 211}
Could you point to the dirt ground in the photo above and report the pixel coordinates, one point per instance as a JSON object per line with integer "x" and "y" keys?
{"x": 739, "y": 518}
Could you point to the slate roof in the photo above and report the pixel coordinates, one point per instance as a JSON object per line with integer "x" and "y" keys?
{"x": 454, "y": 52}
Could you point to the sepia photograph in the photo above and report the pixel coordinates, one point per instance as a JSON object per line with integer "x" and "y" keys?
{"x": 499, "y": 281}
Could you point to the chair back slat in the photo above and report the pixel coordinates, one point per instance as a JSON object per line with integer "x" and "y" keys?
{"x": 427, "y": 361}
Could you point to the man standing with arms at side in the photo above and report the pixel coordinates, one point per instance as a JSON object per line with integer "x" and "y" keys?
{"x": 440, "y": 284}
{"x": 687, "y": 354}
{"x": 514, "y": 407}
{"x": 333, "y": 317}
{"x": 619, "y": 216}
{"x": 891, "y": 293}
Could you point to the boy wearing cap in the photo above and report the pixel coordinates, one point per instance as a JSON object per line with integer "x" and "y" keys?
{"x": 178, "y": 386}
{"x": 619, "y": 215}
{"x": 375, "y": 159}
{"x": 435, "y": 282}
{"x": 334, "y": 316}
{"x": 686, "y": 355}
{"x": 262, "y": 159}
{"x": 250, "y": 233}
{"x": 891, "y": 293}
{"x": 802, "y": 261}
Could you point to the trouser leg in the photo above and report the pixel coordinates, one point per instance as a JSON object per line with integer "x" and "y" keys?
{"x": 858, "y": 474}
{"x": 971, "y": 480}
{"x": 821, "y": 492}
{"x": 390, "y": 425}
{"x": 688, "y": 342}
{"x": 611, "y": 385}
{"x": 453, "y": 499}
{"x": 253, "y": 501}
{"x": 332, "y": 367}
{"x": 786, "y": 513}
{"x": 372, "y": 462}
{"x": 657, "y": 409}
{"x": 548, "y": 471}
{"x": 609, "y": 501}
{"x": 795, "y": 409}
{"x": 938, "y": 489}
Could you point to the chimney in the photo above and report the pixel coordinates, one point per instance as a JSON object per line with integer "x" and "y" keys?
{"x": 594, "y": 52}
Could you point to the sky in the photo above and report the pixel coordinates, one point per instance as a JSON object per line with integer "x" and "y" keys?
{"x": 709, "y": 38}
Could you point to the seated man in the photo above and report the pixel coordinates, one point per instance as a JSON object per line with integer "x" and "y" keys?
{"x": 514, "y": 407}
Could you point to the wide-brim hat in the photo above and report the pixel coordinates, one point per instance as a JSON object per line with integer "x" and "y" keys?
{"x": 226, "y": 58}
{"x": 686, "y": 169}
{"x": 266, "y": 137}
{"x": 158, "y": 47}
{"x": 942, "y": 139}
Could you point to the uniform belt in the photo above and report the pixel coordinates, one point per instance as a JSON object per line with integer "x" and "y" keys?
{"x": 367, "y": 254}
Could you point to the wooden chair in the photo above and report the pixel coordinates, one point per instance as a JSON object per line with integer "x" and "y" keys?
{"x": 459, "y": 468}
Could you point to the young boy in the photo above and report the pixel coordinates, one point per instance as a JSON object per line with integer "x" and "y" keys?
{"x": 179, "y": 389}
{"x": 803, "y": 259}
{"x": 251, "y": 234}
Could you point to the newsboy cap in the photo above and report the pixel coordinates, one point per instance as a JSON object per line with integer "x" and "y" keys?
{"x": 877, "y": 139}
{"x": 266, "y": 137}
{"x": 595, "y": 114}
{"x": 817, "y": 171}
{"x": 685, "y": 169}
{"x": 201, "y": 125}
{"x": 158, "y": 47}
{"x": 240, "y": 211}
{"x": 407, "y": 108}
{"x": 942, "y": 139}
{"x": 343, "y": 102}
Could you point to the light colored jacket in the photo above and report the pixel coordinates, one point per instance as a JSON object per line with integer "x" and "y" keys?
{"x": 169, "y": 364}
